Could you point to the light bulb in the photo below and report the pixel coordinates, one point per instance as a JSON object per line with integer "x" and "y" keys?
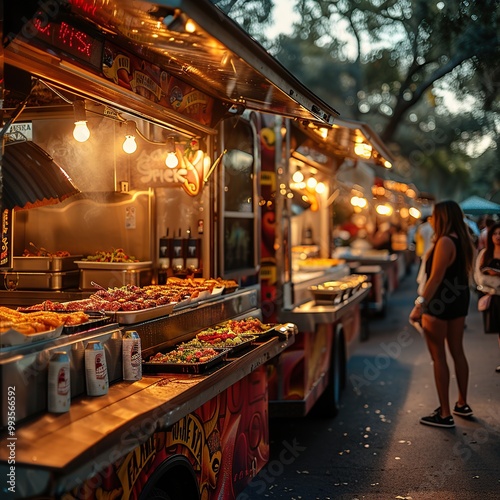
{"x": 171, "y": 161}
{"x": 297, "y": 176}
{"x": 81, "y": 132}
{"x": 129, "y": 145}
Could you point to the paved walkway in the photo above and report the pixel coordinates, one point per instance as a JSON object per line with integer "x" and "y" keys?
{"x": 376, "y": 448}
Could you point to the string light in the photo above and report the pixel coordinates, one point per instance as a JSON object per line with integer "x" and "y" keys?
{"x": 129, "y": 145}
{"x": 81, "y": 132}
{"x": 171, "y": 161}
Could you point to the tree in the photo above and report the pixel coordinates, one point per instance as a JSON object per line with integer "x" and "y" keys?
{"x": 418, "y": 71}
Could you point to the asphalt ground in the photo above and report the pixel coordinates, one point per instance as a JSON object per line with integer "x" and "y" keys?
{"x": 375, "y": 448}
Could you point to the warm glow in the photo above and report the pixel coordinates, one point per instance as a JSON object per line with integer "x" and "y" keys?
{"x": 311, "y": 183}
{"x": 321, "y": 188}
{"x": 415, "y": 213}
{"x": 129, "y": 145}
{"x": 81, "y": 132}
{"x": 323, "y": 132}
{"x": 190, "y": 26}
{"x": 387, "y": 164}
{"x": 358, "y": 201}
{"x": 363, "y": 150}
{"x": 298, "y": 176}
{"x": 403, "y": 212}
{"x": 171, "y": 161}
{"x": 384, "y": 209}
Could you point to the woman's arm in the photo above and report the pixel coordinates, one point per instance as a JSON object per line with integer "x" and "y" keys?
{"x": 488, "y": 281}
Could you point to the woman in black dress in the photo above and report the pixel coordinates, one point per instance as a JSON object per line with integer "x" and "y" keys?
{"x": 443, "y": 306}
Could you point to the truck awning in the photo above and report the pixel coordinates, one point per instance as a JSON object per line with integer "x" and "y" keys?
{"x": 346, "y": 139}
{"x": 192, "y": 40}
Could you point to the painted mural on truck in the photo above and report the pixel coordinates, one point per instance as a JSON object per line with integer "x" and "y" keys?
{"x": 225, "y": 440}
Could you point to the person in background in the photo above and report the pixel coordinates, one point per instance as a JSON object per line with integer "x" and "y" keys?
{"x": 423, "y": 237}
{"x": 481, "y": 242}
{"x": 443, "y": 305}
{"x": 487, "y": 275}
{"x": 382, "y": 239}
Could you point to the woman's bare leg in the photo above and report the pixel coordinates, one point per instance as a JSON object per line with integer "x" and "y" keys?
{"x": 435, "y": 336}
{"x": 455, "y": 338}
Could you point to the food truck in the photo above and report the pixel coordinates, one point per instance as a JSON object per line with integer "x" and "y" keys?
{"x": 302, "y": 281}
{"x": 135, "y": 152}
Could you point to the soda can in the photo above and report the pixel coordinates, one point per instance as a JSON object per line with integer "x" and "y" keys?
{"x": 96, "y": 371}
{"x": 132, "y": 356}
{"x": 59, "y": 385}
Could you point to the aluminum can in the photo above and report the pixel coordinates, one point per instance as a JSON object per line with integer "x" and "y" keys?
{"x": 59, "y": 384}
{"x": 132, "y": 356}
{"x": 96, "y": 370}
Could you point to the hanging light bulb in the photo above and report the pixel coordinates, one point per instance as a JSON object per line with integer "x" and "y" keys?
{"x": 81, "y": 132}
{"x": 129, "y": 145}
{"x": 171, "y": 160}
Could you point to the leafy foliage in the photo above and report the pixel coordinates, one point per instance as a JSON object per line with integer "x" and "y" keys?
{"x": 424, "y": 74}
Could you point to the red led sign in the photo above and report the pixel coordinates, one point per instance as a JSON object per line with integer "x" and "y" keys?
{"x": 71, "y": 41}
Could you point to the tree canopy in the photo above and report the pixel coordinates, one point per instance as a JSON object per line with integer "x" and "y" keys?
{"x": 423, "y": 73}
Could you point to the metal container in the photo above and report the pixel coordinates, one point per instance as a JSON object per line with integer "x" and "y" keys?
{"x": 59, "y": 385}
{"x": 25, "y": 367}
{"x": 41, "y": 264}
{"x": 96, "y": 370}
{"x": 115, "y": 278}
{"x": 13, "y": 280}
{"x": 131, "y": 355}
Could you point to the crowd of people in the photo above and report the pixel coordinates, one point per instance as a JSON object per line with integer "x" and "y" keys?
{"x": 454, "y": 261}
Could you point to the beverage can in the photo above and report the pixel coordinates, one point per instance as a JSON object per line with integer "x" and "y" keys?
{"x": 59, "y": 385}
{"x": 96, "y": 370}
{"x": 132, "y": 356}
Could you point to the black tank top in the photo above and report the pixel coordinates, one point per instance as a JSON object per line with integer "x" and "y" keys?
{"x": 452, "y": 297}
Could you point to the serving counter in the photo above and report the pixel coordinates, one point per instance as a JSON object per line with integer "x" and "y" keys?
{"x": 56, "y": 454}
{"x": 56, "y": 451}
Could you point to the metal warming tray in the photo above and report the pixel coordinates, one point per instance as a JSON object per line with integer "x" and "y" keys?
{"x": 41, "y": 264}
{"x": 40, "y": 280}
{"x": 115, "y": 278}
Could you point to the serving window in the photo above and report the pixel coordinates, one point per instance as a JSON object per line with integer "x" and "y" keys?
{"x": 239, "y": 255}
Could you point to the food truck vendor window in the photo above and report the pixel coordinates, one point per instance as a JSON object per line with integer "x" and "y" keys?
{"x": 239, "y": 256}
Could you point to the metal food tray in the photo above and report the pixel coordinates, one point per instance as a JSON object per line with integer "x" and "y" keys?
{"x": 260, "y": 335}
{"x": 12, "y": 337}
{"x": 49, "y": 263}
{"x": 113, "y": 266}
{"x": 232, "y": 349}
{"x": 192, "y": 368}
{"x": 131, "y": 317}
{"x": 47, "y": 280}
{"x": 96, "y": 319}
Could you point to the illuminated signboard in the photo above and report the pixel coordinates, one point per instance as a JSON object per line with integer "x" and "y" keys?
{"x": 70, "y": 41}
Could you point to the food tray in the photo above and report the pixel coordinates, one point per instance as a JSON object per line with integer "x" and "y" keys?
{"x": 113, "y": 266}
{"x": 12, "y": 337}
{"x": 247, "y": 340}
{"x": 41, "y": 264}
{"x": 131, "y": 317}
{"x": 193, "y": 368}
{"x": 96, "y": 320}
{"x": 326, "y": 294}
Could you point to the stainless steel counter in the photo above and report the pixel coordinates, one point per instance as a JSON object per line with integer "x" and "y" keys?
{"x": 307, "y": 315}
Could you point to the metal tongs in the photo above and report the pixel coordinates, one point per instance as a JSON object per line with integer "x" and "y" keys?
{"x": 42, "y": 251}
{"x": 99, "y": 287}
